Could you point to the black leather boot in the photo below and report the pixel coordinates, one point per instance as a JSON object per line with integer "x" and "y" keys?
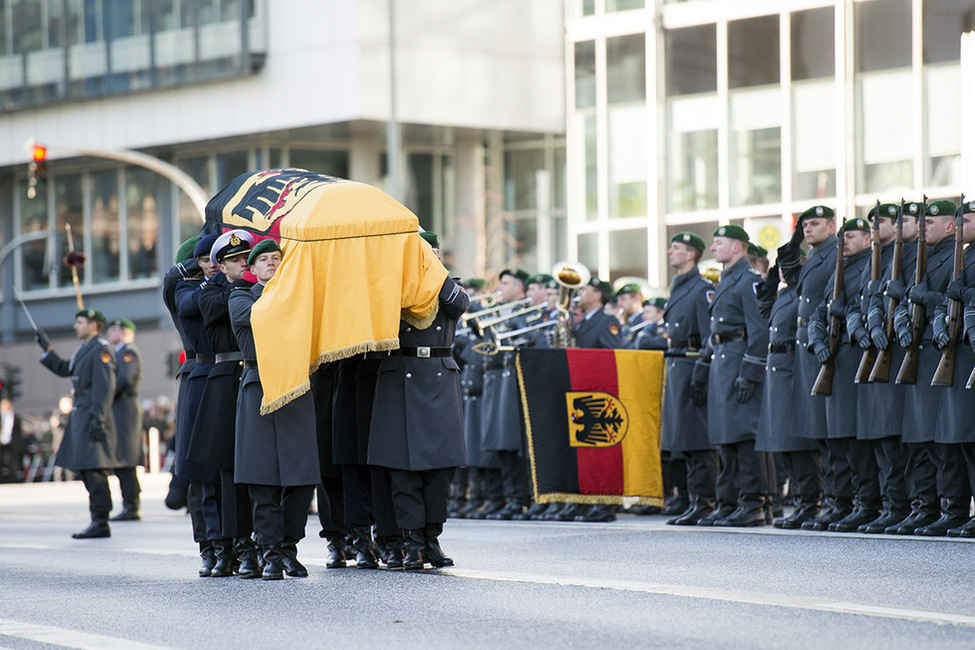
{"x": 289, "y": 559}
{"x": 842, "y": 507}
{"x": 336, "y": 553}
{"x": 413, "y": 543}
{"x": 489, "y": 508}
{"x": 391, "y": 551}
{"x": 570, "y": 512}
{"x": 805, "y": 510}
{"x": 247, "y": 553}
{"x": 724, "y": 510}
{"x": 208, "y": 558}
{"x": 432, "y": 552}
{"x": 690, "y": 507}
{"x": 865, "y": 512}
{"x": 675, "y": 505}
{"x": 365, "y": 549}
{"x": 954, "y": 514}
{"x": 701, "y": 507}
{"x": 914, "y": 513}
{"x": 223, "y": 550}
{"x": 533, "y": 512}
{"x": 129, "y": 513}
{"x": 600, "y": 512}
{"x": 510, "y": 510}
{"x": 750, "y": 512}
{"x": 928, "y": 512}
{"x": 273, "y": 562}
{"x": 551, "y": 509}
{"x": 894, "y": 514}
{"x": 468, "y": 509}
{"x": 965, "y": 530}
{"x": 97, "y": 528}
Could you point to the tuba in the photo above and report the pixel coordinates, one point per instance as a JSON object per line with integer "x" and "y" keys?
{"x": 570, "y": 276}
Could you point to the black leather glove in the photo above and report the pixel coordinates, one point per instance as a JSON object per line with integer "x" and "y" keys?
{"x": 859, "y": 334}
{"x": 797, "y": 236}
{"x": 919, "y": 294}
{"x": 837, "y": 307}
{"x": 768, "y": 289}
{"x": 902, "y": 326}
{"x": 879, "y": 337}
{"x": 42, "y": 340}
{"x": 895, "y": 289}
{"x": 821, "y": 350}
{"x": 744, "y": 388}
{"x": 96, "y": 431}
{"x": 940, "y": 337}
{"x": 956, "y": 289}
{"x": 699, "y": 394}
{"x": 872, "y": 288}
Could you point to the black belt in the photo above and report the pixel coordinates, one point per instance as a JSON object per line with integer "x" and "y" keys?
{"x": 422, "y": 352}
{"x": 690, "y": 344}
{"x": 375, "y": 355}
{"x": 228, "y": 356}
{"x": 789, "y": 347}
{"x": 249, "y": 364}
{"x": 733, "y": 335}
{"x": 204, "y": 358}
{"x": 802, "y": 322}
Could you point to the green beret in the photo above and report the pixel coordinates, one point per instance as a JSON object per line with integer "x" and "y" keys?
{"x": 967, "y": 207}
{"x": 756, "y": 250}
{"x": 941, "y": 209}
{"x": 185, "y": 250}
{"x": 655, "y": 302}
{"x": 125, "y": 323}
{"x": 817, "y": 212}
{"x": 913, "y": 209}
{"x": 689, "y": 239}
{"x": 887, "y": 210}
{"x": 475, "y": 283}
{"x": 263, "y": 246}
{"x": 630, "y": 287}
{"x": 732, "y": 232}
{"x": 856, "y": 224}
{"x": 604, "y": 287}
{"x": 544, "y": 279}
{"x": 92, "y": 314}
{"x": 518, "y": 274}
{"x": 431, "y": 238}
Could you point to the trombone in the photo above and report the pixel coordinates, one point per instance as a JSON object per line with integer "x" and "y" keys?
{"x": 488, "y": 299}
{"x": 490, "y": 348}
{"x": 476, "y": 315}
{"x": 533, "y": 312}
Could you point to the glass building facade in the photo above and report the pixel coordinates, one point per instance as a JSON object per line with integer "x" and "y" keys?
{"x": 683, "y": 115}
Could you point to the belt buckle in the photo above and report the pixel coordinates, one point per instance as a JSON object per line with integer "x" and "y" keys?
{"x": 423, "y": 352}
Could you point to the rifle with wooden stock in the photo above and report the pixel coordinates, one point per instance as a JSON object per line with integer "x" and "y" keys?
{"x": 945, "y": 373}
{"x": 869, "y": 356}
{"x": 881, "y": 367}
{"x": 908, "y": 370}
{"x": 824, "y": 380}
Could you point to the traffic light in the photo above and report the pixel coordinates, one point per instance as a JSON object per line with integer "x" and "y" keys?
{"x": 11, "y": 382}
{"x": 36, "y": 170}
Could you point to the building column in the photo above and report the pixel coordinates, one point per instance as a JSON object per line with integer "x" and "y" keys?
{"x": 468, "y": 247}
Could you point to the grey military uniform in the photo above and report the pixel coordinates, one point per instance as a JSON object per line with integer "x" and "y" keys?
{"x": 125, "y": 408}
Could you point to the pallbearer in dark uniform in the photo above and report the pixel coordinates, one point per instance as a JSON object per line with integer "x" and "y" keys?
{"x": 879, "y": 418}
{"x": 203, "y": 493}
{"x": 854, "y": 469}
{"x": 959, "y": 407}
{"x": 212, "y": 438}
{"x": 684, "y": 425}
{"x": 738, "y": 344}
{"x": 276, "y": 455}
{"x": 929, "y": 402}
{"x": 417, "y": 428}
{"x": 127, "y": 414}
{"x": 89, "y": 442}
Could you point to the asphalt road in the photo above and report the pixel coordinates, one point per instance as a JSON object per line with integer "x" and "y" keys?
{"x": 634, "y": 582}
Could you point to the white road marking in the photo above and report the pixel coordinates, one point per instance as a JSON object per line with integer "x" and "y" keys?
{"x": 69, "y": 638}
{"x": 733, "y": 596}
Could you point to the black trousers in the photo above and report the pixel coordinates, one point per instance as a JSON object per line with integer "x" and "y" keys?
{"x": 331, "y": 513}
{"x": 952, "y": 471}
{"x": 674, "y": 470}
{"x": 837, "y": 470}
{"x": 865, "y": 470}
{"x": 211, "y": 507}
{"x": 279, "y": 513}
{"x": 922, "y": 472}
{"x": 492, "y": 484}
{"x": 702, "y": 473}
{"x": 512, "y": 475}
{"x": 235, "y": 507}
{"x": 420, "y": 498}
{"x": 805, "y": 470}
{"x": 751, "y": 468}
{"x": 128, "y": 482}
{"x": 99, "y": 496}
{"x": 968, "y": 452}
{"x": 382, "y": 502}
{"x": 892, "y": 463}
{"x": 194, "y": 503}
{"x": 727, "y": 484}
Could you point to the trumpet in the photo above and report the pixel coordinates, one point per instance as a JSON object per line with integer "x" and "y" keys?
{"x": 496, "y": 308}
{"x": 488, "y": 299}
{"x": 639, "y": 326}
{"x": 534, "y": 310}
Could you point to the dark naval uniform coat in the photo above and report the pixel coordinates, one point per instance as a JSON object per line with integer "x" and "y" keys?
{"x": 841, "y": 404}
{"x": 500, "y": 419}
{"x": 417, "y": 423}
{"x": 810, "y": 416}
{"x": 472, "y": 390}
{"x": 684, "y": 427}
{"x": 191, "y": 322}
{"x": 212, "y": 439}
{"x": 777, "y": 420}
{"x": 92, "y": 372}
{"x": 925, "y": 399}
{"x": 170, "y": 281}
{"x": 958, "y": 412}
{"x": 125, "y": 408}
{"x": 280, "y": 448}
{"x": 735, "y": 315}
{"x": 598, "y": 330}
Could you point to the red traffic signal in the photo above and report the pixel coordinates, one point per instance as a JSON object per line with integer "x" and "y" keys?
{"x": 40, "y": 153}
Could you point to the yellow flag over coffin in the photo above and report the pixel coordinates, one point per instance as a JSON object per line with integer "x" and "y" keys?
{"x": 353, "y": 265}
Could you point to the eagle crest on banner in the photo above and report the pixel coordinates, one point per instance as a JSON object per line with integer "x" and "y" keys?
{"x": 595, "y": 419}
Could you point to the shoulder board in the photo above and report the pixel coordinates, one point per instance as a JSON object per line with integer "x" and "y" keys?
{"x": 754, "y": 272}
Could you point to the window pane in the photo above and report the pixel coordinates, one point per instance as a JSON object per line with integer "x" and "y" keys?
{"x": 559, "y": 200}
{"x": 627, "y": 162}
{"x": 942, "y": 124}
{"x": 626, "y": 69}
{"x": 448, "y": 199}
{"x": 230, "y": 166}
{"x": 628, "y": 253}
{"x": 623, "y": 5}
{"x": 753, "y": 52}
{"x": 691, "y": 59}
{"x": 756, "y": 166}
{"x": 331, "y": 163}
{"x": 28, "y": 35}
{"x": 812, "y": 43}
{"x": 944, "y": 22}
{"x": 883, "y": 35}
{"x": 419, "y": 188}
{"x": 813, "y": 138}
{"x": 142, "y": 220}
{"x": 190, "y": 221}
{"x": 520, "y": 191}
{"x": 589, "y": 154}
{"x": 70, "y": 210}
{"x": 585, "y": 74}
{"x": 588, "y": 245}
{"x": 692, "y": 170}
{"x": 33, "y": 217}
{"x": 119, "y": 18}
{"x": 105, "y": 245}
{"x": 524, "y": 244}
{"x": 884, "y": 161}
